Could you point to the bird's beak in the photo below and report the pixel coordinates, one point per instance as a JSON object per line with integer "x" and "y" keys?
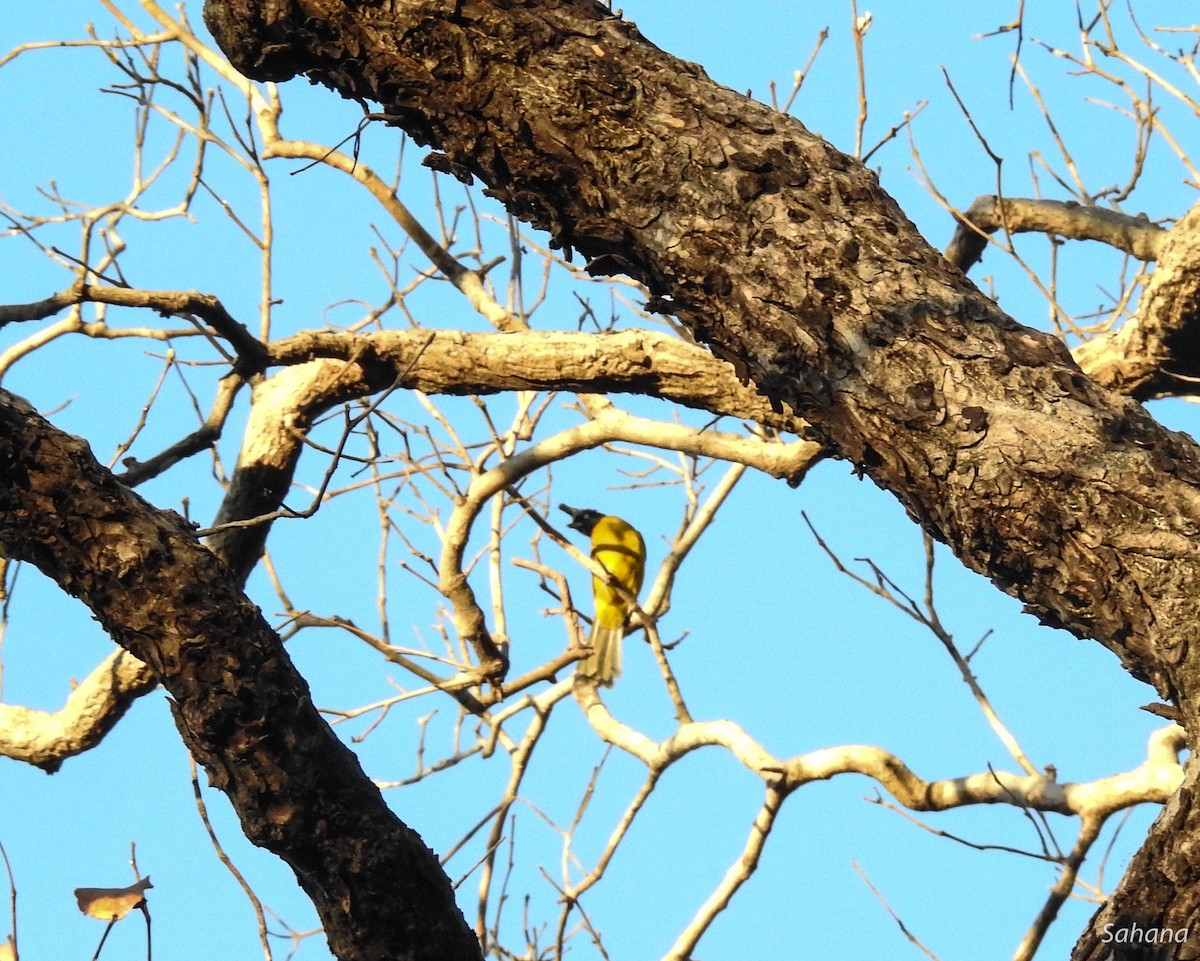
{"x": 574, "y": 513}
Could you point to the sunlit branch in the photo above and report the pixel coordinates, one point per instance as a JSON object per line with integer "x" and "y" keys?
{"x": 738, "y": 874}
{"x": 1089, "y": 831}
{"x": 94, "y": 706}
{"x": 189, "y": 304}
{"x": 635, "y": 361}
{"x": 1074, "y": 221}
{"x": 1152, "y": 781}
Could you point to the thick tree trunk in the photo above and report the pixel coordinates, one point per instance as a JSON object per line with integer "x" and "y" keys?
{"x": 241, "y": 707}
{"x": 789, "y": 261}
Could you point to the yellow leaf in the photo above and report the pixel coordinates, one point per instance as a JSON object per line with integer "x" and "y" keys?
{"x": 112, "y": 904}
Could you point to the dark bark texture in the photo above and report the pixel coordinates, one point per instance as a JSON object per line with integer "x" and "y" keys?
{"x": 790, "y": 262}
{"x": 241, "y": 707}
{"x": 788, "y": 259}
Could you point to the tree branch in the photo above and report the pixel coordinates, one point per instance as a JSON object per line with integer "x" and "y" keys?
{"x": 632, "y": 361}
{"x": 240, "y": 706}
{"x": 46, "y": 739}
{"x": 1136, "y": 236}
{"x": 788, "y": 259}
{"x": 251, "y": 354}
{"x": 1154, "y": 780}
{"x": 1157, "y": 351}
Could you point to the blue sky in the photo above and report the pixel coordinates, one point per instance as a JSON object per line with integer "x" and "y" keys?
{"x": 776, "y": 639}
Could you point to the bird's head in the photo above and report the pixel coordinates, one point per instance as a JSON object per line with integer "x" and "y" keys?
{"x": 582, "y": 520}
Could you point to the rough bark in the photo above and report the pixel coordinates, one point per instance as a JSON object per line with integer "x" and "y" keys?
{"x": 1154, "y": 353}
{"x": 787, "y": 259}
{"x": 240, "y": 706}
{"x": 1160, "y": 890}
{"x": 1157, "y": 352}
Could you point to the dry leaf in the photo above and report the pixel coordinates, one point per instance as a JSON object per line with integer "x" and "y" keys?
{"x": 112, "y": 904}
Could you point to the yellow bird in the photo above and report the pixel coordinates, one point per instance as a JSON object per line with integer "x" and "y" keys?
{"x": 619, "y": 549}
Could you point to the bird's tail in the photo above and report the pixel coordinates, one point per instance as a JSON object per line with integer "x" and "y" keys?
{"x": 603, "y": 665}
